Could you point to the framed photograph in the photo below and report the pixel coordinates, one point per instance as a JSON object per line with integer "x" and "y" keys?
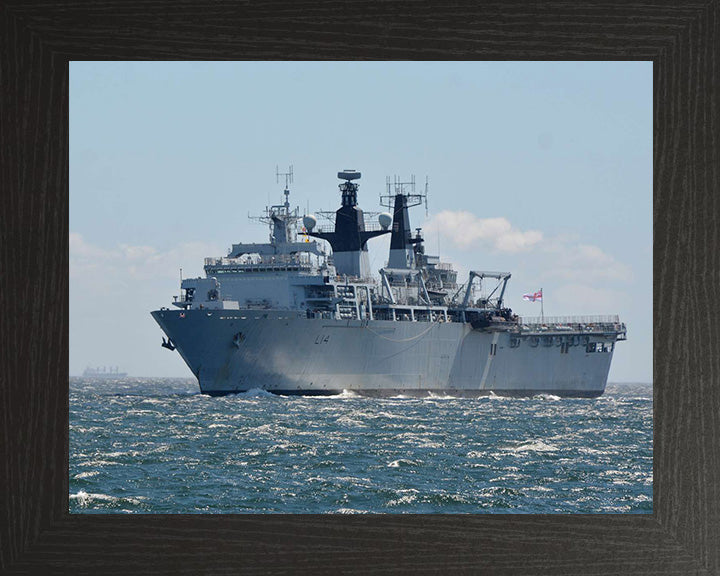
{"x": 384, "y": 355}
{"x": 46, "y": 526}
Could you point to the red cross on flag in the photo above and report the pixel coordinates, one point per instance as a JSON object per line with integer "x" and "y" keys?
{"x": 534, "y": 297}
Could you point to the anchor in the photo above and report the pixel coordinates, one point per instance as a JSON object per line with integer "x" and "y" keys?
{"x": 238, "y": 338}
{"x": 168, "y": 344}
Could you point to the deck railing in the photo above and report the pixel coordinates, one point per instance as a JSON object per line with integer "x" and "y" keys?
{"x": 554, "y": 320}
{"x": 540, "y": 324}
{"x": 281, "y": 263}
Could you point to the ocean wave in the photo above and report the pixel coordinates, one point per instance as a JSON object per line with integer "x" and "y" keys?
{"x": 83, "y": 475}
{"x": 406, "y": 499}
{"x": 152, "y": 400}
{"x": 84, "y": 499}
{"x": 348, "y": 511}
{"x": 353, "y": 481}
{"x": 476, "y": 454}
{"x": 128, "y": 453}
{"x": 254, "y": 393}
{"x": 345, "y": 394}
{"x": 347, "y": 421}
{"x": 98, "y": 463}
{"x": 532, "y": 446}
{"x": 434, "y": 396}
{"x": 298, "y": 455}
{"x": 142, "y": 412}
{"x": 547, "y": 397}
{"x": 402, "y": 462}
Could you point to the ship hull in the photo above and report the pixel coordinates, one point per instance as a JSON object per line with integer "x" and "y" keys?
{"x": 232, "y": 351}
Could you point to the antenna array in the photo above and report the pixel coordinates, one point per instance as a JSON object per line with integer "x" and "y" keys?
{"x": 396, "y": 186}
{"x": 288, "y": 176}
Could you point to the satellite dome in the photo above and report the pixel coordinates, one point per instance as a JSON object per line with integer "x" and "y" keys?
{"x": 385, "y": 220}
{"x": 309, "y": 222}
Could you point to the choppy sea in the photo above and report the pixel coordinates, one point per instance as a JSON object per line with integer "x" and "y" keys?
{"x": 149, "y": 445}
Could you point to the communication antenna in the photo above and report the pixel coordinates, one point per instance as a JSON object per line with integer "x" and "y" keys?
{"x": 397, "y": 186}
{"x": 288, "y": 180}
{"x": 288, "y": 176}
{"x": 427, "y": 187}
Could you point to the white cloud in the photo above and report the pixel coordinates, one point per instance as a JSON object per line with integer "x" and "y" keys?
{"x": 561, "y": 256}
{"x": 82, "y": 250}
{"x": 125, "y": 262}
{"x": 465, "y": 230}
{"x": 141, "y": 253}
{"x": 584, "y": 263}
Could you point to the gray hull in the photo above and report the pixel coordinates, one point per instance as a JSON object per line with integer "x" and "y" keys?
{"x": 232, "y": 351}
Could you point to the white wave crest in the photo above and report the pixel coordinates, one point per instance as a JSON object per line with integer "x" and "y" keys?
{"x": 86, "y": 475}
{"x": 401, "y": 462}
{"x": 433, "y": 396}
{"x": 476, "y": 454}
{"x": 547, "y": 397}
{"x": 254, "y": 393}
{"x": 532, "y": 446}
{"x": 347, "y": 421}
{"x": 98, "y": 463}
{"x": 345, "y": 394}
{"x": 348, "y": 511}
{"x": 407, "y": 499}
{"x": 85, "y": 498}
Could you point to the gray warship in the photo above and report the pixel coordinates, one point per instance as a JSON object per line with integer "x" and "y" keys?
{"x": 290, "y": 317}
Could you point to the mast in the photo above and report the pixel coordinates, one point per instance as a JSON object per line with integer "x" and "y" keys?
{"x": 282, "y": 221}
{"x": 401, "y": 196}
{"x": 349, "y": 237}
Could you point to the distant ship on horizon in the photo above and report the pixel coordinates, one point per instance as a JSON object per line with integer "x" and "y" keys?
{"x": 105, "y": 373}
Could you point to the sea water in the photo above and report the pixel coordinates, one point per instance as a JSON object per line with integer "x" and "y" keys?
{"x": 148, "y": 445}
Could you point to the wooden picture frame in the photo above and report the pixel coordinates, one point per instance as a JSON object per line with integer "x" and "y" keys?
{"x": 38, "y": 535}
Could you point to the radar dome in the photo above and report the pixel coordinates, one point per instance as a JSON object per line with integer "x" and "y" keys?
{"x": 309, "y": 222}
{"x": 385, "y": 220}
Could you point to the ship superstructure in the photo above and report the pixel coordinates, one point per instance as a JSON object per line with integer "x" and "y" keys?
{"x": 294, "y": 316}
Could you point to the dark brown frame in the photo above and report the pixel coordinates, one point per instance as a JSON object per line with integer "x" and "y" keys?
{"x": 37, "y": 535}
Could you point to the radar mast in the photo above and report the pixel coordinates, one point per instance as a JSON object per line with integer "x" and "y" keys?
{"x": 399, "y": 197}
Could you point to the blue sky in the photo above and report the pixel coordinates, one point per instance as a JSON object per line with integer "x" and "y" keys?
{"x": 547, "y": 166}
